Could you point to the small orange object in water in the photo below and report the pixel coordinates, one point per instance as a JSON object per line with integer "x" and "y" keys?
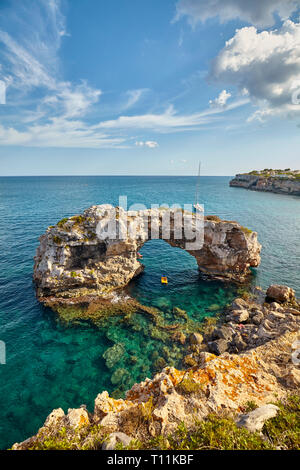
{"x": 164, "y": 280}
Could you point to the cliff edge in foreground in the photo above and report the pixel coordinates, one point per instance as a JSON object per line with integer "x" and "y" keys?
{"x": 275, "y": 181}
{"x": 227, "y": 386}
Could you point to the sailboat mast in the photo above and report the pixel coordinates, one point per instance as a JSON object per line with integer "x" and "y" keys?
{"x": 198, "y": 185}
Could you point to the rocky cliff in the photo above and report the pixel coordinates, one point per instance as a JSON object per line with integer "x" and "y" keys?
{"x": 268, "y": 182}
{"x": 267, "y": 370}
{"x": 96, "y": 254}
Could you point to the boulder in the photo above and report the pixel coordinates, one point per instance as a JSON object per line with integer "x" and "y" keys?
{"x": 292, "y": 378}
{"x": 78, "y": 417}
{"x": 218, "y": 347}
{"x": 115, "y": 438}
{"x": 239, "y": 304}
{"x": 224, "y": 332}
{"x": 280, "y": 293}
{"x": 239, "y": 343}
{"x": 56, "y": 417}
{"x": 196, "y": 338}
{"x": 293, "y": 311}
{"x": 275, "y": 306}
{"x": 239, "y": 316}
{"x": 255, "y": 420}
{"x": 258, "y": 318}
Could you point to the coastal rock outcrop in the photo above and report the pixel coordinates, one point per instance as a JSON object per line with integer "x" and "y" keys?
{"x": 265, "y": 372}
{"x": 270, "y": 181}
{"x": 217, "y": 385}
{"x": 96, "y": 253}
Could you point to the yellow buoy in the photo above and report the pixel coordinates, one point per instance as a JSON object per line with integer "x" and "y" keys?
{"x": 164, "y": 280}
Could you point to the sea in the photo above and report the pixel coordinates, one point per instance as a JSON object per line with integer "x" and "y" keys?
{"x": 49, "y": 364}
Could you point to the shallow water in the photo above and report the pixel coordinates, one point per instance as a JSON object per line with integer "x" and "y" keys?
{"x": 51, "y": 366}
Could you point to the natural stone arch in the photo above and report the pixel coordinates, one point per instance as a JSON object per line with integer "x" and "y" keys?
{"x": 78, "y": 258}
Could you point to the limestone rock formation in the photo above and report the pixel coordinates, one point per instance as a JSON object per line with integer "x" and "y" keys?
{"x": 253, "y": 322}
{"x": 96, "y": 253}
{"x": 217, "y": 384}
{"x": 268, "y": 182}
{"x": 280, "y": 293}
{"x": 260, "y": 364}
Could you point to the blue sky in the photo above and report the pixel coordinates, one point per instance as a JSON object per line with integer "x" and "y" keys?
{"x": 148, "y": 87}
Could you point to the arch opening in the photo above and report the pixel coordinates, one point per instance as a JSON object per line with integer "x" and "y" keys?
{"x": 186, "y": 288}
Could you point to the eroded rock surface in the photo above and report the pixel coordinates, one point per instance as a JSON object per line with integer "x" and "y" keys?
{"x": 270, "y": 183}
{"x": 217, "y": 384}
{"x": 260, "y": 365}
{"x": 77, "y": 258}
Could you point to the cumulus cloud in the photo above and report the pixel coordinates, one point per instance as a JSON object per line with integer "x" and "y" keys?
{"x": 265, "y": 66}
{"x": 149, "y": 143}
{"x": 221, "y": 100}
{"x": 257, "y": 12}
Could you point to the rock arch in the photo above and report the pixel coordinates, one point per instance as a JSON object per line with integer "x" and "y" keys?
{"x": 77, "y": 257}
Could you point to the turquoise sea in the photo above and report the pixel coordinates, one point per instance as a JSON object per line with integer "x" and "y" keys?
{"x": 49, "y": 365}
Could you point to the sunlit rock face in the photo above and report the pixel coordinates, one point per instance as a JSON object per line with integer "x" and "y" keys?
{"x": 96, "y": 253}
{"x": 274, "y": 184}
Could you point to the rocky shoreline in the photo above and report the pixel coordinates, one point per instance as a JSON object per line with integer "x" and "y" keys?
{"x": 247, "y": 354}
{"x": 269, "y": 181}
{"x": 251, "y": 355}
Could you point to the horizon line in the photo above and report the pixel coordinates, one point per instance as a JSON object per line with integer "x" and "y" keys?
{"x": 63, "y": 176}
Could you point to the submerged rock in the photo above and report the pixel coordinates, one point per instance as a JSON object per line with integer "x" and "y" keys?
{"x": 113, "y": 355}
{"x": 120, "y": 376}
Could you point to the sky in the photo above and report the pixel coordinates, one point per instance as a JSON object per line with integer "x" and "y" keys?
{"x": 148, "y": 87}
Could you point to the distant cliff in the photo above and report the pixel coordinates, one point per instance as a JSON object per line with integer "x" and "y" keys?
{"x": 275, "y": 181}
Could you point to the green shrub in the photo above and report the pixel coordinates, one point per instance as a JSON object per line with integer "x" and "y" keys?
{"x": 62, "y": 222}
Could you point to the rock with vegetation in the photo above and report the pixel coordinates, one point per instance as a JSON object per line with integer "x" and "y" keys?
{"x": 276, "y": 181}
{"x": 94, "y": 255}
{"x": 223, "y": 401}
{"x": 216, "y": 390}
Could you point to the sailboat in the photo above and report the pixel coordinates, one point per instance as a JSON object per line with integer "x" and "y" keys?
{"x": 197, "y": 206}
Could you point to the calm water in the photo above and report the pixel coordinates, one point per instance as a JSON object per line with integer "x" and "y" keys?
{"x": 50, "y": 366}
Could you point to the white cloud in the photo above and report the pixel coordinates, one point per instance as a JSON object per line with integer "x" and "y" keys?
{"x": 133, "y": 96}
{"x": 264, "y": 66}
{"x": 149, "y": 143}
{"x": 168, "y": 121}
{"x": 58, "y": 110}
{"x": 221, "y": 100}
{"x": 257, "y": 12}
{"x": 59, "y": 132}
